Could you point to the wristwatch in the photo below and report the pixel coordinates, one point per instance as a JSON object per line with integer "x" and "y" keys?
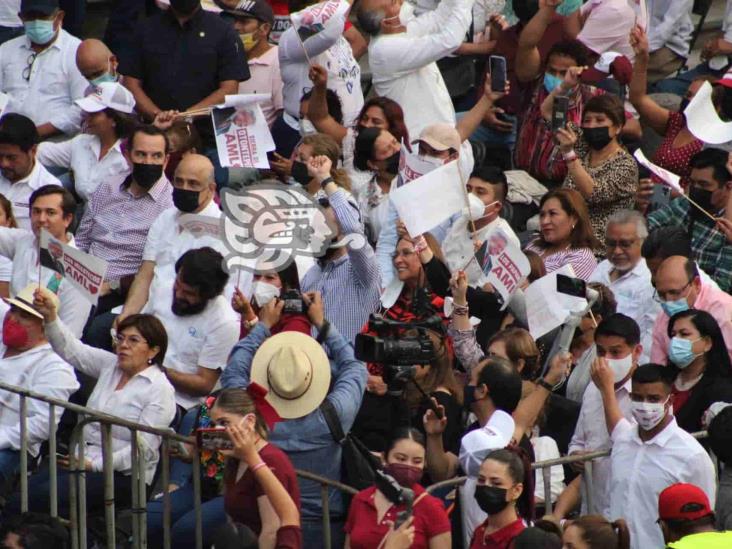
{"x": 325, "y": 181}
{"x": 542, "y": 383}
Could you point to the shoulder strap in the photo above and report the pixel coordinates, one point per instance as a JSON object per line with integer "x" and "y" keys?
{"x": 331, "y": 418}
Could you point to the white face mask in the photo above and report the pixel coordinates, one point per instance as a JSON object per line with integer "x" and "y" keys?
{"x": 648, "y": 414}
{"x": 264, "y": 292}
{"x": 620, "y": 366}
{"x": 477, "y": 208}
{"x": 306, "y": 127}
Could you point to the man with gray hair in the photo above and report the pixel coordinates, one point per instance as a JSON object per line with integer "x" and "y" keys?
{"x": 625, "y": 272}
{"x": 403, "y": 52}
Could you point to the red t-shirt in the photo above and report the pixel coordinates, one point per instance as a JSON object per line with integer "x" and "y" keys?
{"x": 430, "y": 520}
{"x": 240, "y": 498}
{"x": 289, "y": 537}
{"x": 500, "y": 539}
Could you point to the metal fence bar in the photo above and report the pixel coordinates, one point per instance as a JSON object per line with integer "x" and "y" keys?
{"x": 108, "y": 469}
{"x": 165, "y": 458}
{"x": 326, "y": 515}
{"x": 141, "y": 509}
{"x": 588, "y": 482}
{"x": 52, "y": 465}
{"x": 197, "y": 499}
{"x": 23, "y": 454}
{"x": 135, "y": 489}
{"x": 81, "y": 482}
{"x": 546, "y": 475}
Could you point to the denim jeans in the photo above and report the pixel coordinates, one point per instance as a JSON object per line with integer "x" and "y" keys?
{"x": 679, "y": 84}
{"x": 8, "y": 33}
{"x": 9, "y": 465}
{"x": 183, "y": 519}
{"x": 312, "y": 533}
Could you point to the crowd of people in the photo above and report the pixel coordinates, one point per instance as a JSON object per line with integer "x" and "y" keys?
{"x": 390, "y": 361}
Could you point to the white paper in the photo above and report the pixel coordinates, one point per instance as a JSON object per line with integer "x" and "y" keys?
{"x": 4, "y": 100}
{"x": 312, "y": 20}
{"x": 507, "y": 266}
{"x": 428, "y": 201}
{"x": 703, "y": 121}
{"x": 200, "y": 225}
{"x": 718, "y": 62}
{"x": 671, "y": 179}
{"x": 412, "y": 167}
{"x": 242, "y": 133}
{"x": 547, "y": 309}
{"x": 84, "y": 271}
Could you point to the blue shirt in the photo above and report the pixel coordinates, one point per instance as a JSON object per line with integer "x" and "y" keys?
{"x": 307, "y": 441}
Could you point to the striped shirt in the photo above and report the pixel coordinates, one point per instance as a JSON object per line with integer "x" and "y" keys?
{"x": 709, "y": 247}
{"x": 350, "y": 285}
{"x": 582, "y": 260}
{"x": 116, "y": 223}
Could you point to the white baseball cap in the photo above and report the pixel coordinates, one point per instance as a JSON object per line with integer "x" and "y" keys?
{"x": 109, "y": 95}
{"x": 477, "y": 444}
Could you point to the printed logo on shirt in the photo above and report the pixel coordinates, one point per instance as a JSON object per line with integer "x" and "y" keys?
{"x": 267, "y": 226}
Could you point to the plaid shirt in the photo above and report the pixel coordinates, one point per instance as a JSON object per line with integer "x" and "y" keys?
{"x": 708, "y": 245}
{"x": 116, "y": 223}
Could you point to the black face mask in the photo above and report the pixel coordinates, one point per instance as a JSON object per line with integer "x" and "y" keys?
{"x": 491, "y": 499}
{"x": 300, "y": 172}
{"x": 185, "y": 200}
{"x": 185, "y": 7}
{"x": 392, "y": 163}
{"x": 597, "y": 138}
{"x": 145, "y": 175}
{"x": 704, "y": 199}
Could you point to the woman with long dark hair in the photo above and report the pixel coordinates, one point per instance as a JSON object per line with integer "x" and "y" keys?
{"x": 698, "y": 350}
{"x": 596, "y": 532}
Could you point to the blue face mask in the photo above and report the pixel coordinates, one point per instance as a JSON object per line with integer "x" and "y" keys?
{"x": 673, "y": 307}
{"x": 39, "y": 31}
{"x": 680, "y": 351}
{"x": 551, "y": 82}
{"x": 105, "y": 78}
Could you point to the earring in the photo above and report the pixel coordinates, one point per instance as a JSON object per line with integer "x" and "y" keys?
{"x": 149, "y": 361}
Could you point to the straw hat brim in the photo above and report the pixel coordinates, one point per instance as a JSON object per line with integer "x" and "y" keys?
{"x": 318, "y": 389}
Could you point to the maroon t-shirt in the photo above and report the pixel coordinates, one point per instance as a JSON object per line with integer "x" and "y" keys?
{"x": 240, "y": 498}
{"x": 289, "y": 537}
{"x": 507, "y": 46}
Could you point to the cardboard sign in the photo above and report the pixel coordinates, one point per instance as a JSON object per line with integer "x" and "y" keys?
{"x": 242, "y": 133}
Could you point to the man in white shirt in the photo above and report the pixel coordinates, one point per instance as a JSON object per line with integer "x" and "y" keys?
{"x": 651, "y": 455}
{"x": 618, "y": 345}
{"x": 403, "y": 52}
{"x": 625, "y": 272}
{"x": 201, "y": 322}
{"x": 168, "y": 239}
{"x": 38, "y": 70}
{"x": 52, "y": 208}
{"x": 27, "y": 360}
{"x": 487, "y": 189}
{"x": 20, "y": 172}
{"x": 253, "y": 20}
{"x": 669, "y": 35}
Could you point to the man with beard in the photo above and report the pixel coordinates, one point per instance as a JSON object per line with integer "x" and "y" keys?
{"x": 201, "y": 326}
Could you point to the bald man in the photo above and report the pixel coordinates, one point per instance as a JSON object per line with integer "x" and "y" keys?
{"x": 96, "y": 62}
{"x": 170, "y": 236}
{"x": 678, "y": 288}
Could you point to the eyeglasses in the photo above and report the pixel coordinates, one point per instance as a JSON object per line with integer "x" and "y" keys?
{"x": 29, "y": 66}
{"x": 132, "y": 341}
{"x": 624, "y": 244}
{"x": 403, "y": 253}
{"x": 670, "y": 295}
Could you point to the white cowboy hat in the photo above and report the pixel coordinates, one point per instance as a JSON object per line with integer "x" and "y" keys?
{"x": 24, "y": 299}
{"x": 295, "y": 370}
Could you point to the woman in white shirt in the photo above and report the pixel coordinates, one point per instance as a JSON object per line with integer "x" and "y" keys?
{"x": 96, "y": 155}
{"x": 131, "y": 384}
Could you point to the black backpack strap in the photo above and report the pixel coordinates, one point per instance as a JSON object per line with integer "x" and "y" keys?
{"x": 331, "y": 418}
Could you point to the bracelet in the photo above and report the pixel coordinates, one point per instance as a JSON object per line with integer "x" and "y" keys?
{"x": 325, "y": 181}
{"x": 251, "y": 323}
{"x": 542, "y": 383}
{"x": 460, "y": 310}
{"x": 571, "y": 156}
{"x": 258, "y": 466}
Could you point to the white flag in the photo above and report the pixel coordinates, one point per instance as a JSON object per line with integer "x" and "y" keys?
{"x": 703, "y": 121}
{"x": 669, "y": 178}
{"x": 84, "y": 271}
{"x": 431, "y": 199}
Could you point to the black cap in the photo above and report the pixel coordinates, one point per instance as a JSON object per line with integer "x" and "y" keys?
{"x": 258, "y": 9}
{"x": 46, "y": 7}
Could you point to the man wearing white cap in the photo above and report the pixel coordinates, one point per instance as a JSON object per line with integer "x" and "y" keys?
{"x": 296, "y": 371}
{"x": 28, "y": 361}
{"x": 95, "y": 156}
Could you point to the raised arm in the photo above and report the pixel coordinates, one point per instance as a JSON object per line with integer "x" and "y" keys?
{"x": 472, "y": 119}
{"x": 571, "y": 80}
{"x": 528, "y": 58}
{"x": 603, "y": 378}
{"x": 291, "y": 49}
{"x": 651, "y": 112}
{"x": 318, "y": 107}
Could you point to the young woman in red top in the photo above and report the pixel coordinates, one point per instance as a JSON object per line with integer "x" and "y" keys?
{"x": 371, "y": 515}
{"x": 244, "y": 499}
{"x": 505, "y": 491}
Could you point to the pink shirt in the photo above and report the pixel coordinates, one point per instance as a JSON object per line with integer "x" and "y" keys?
{"x": 582, "y": 260}
{"x": 712, "y": 300}
{"x": 266, "y": 78}
{"x": 606, "y": 26}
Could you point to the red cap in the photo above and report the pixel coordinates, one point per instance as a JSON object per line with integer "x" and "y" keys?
{"x": 726, "y": 80}
{"x": 683, "y": 502}
{"x": 609, "y": 63}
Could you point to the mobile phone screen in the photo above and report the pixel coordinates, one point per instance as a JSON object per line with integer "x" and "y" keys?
{"x": 498, "y": 73}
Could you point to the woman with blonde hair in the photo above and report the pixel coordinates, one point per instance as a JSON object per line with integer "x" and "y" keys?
{"x": 312, "y": 145}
